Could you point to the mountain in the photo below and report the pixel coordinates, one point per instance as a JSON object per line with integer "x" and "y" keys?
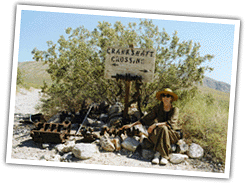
{"x": 217, "y": 85}
{"x": 34, "y": 74}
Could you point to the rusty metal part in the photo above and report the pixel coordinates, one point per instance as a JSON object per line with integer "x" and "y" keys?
{"x": 88, "y": 135}
{"x": 50, "y": 132}
{"x": 112, "y": 131}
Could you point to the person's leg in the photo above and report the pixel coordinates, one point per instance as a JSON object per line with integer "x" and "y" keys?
{"x": 159, "y": 137}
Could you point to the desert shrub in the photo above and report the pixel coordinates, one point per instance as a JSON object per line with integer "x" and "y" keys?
{"x": 204, "y": 121}
{"x": 76, "y": 63}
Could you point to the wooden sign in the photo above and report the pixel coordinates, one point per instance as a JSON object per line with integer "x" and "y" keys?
{"x": 134, "y": 61}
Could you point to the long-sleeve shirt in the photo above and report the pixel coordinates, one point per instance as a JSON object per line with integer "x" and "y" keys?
{"x": 159, "y": 115}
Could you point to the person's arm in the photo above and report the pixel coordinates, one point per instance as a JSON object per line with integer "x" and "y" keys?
{"x": 130, "y": 125}
{"x": 152, "y": 127}
{"x": 146, "y": 120}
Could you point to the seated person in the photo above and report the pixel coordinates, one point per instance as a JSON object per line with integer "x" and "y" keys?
{"x": 162, "y": 125}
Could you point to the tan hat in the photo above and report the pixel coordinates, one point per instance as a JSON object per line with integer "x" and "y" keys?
{"x": 166, "y": 91}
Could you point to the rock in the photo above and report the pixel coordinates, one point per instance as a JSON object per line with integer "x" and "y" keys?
{"x": 68, "y": 146}
{"x": 72, "y": 138}
{"x": 89, "y": 121}
{"x": 57, "y": 158}
{"x": 97, "y": 141}
{"x": 182, "y": 146}
{"x": 98, "y": 124}
{"x": 103, "y": 117}
{"x": 117, "y": 108}
{"x": 59, "y": 148}
{"x": 177, "y": 158}
{"x": 130, "y": 144}
{"x": 115, "y": 121}
{"x": 148, "y": 154}
{"x": 45, "y": 157}
{"x": 137, "y": 138}
{"x": 106, "y": 144}
{"x": 134, "y": 111}
{"x": 67, "y": 157}
{"x": 84, "y": 150}
{"x": 173, "y": 147}
{"x": 116, "y": 142}
{"x": 124, "y": 152}
{"x": 195, "y": 151}
{"x": 94, "y": 123}
{"x": 64, "y": 148}
{"x": 45, "y": 146}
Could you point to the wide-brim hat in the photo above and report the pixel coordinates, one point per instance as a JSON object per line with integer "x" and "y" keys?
{"x": 166, "y": 91}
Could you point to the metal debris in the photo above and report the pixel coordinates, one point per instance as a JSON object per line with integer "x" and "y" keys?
{"x": 51, "y": 132}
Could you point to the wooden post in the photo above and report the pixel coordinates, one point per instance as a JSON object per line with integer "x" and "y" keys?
{"x": 127, "y": 93}
{"x": 128, "y": 85}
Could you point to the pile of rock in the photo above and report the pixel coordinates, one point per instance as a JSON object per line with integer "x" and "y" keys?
{"x": 120, "y": 141}
{"x": 70, "y": 149}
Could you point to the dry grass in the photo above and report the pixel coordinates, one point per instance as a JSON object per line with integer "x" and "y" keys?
{"x": 204, "y": 119}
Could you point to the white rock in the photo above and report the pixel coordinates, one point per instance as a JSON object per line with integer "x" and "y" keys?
{"x": 65, "y": 148}
{"x": 183, "y": 147}
{"x": 84, "y": 150}
{"x": 67, "y": 157}
{"x": 45, "y": 146}
{"x": 45, "y": 157}
{"x": 90, "y": 121}
{"x": 59, "y": 148}
{"x": 130, "y": 144}
{"x": 57, "y": 158}
{"x": 68, "y": 146}
{"x": 72, "y": 138}
{"x": 177, "y": 158}
{"x": 173, "y": 147}
{"x": 195, "y": 151}
{"x": 106, "y": 144}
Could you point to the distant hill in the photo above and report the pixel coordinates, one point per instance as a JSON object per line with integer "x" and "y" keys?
{"x": 217, "y": 85}
{"x": 34, "y": 74}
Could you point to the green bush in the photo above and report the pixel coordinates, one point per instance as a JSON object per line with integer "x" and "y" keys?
{"x": 204, "y": 120}
{"x": 76, "y": 63}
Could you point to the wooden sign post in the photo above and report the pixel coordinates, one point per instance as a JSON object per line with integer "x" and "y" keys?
{"x": 130, "y": 64}
{"x": 128, "y": 86}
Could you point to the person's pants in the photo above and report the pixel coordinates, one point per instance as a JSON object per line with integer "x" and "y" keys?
{"x": 162, "y": 138}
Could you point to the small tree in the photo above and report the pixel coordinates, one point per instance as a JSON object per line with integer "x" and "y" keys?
{"x": 76, "y": 64}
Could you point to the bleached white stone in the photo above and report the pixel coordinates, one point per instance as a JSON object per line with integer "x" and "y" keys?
{"x": 84, "y": 150}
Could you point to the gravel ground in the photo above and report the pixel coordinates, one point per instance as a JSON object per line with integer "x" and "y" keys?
{"x": 24, "y": 148}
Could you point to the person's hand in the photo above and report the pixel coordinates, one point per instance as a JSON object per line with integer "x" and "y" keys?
{"x": 126, "y": 126}
{"x": 151, "y": 128}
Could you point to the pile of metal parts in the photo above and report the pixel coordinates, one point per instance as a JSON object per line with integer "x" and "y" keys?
{"x": 113, "y": 132}
{"x": 56, "y": 132}
{"x": 59, "y": 127}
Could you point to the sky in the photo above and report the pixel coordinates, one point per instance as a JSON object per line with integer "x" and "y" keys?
{"x": 38, "y": 27}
